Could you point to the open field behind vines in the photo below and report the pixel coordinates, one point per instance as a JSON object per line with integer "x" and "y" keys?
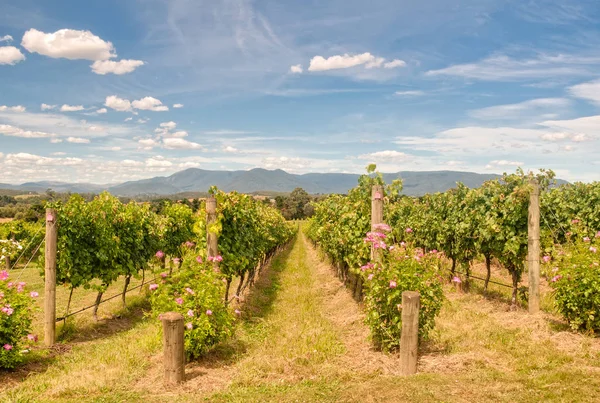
{"x": 309, "y": 343}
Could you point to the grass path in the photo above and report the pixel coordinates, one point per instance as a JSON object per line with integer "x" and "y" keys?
{"x": 302, "y": 339}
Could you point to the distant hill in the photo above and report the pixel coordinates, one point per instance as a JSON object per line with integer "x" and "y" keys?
{"x": 261, "y": 180}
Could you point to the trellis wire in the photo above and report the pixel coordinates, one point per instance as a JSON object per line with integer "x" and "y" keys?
{"x": 482, "y": 279}
{"x": 103, "y": 301}
{"x": 30, "y": 259}
{"x": 24, "y": 249}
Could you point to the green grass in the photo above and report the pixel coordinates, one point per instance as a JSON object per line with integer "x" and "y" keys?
{"x": 302, "y": 339}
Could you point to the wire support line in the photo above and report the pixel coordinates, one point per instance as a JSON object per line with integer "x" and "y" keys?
{"x": 28, "y": 245}
{"x": 103, "y": 301}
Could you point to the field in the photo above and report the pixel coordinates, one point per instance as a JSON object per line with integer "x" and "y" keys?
{"x": 302, "y": 338}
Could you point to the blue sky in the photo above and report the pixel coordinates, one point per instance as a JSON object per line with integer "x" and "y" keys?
{"x": 108, "y": 91}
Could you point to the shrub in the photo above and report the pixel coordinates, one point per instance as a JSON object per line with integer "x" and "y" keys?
{"x": 574, "y": 273}
{"x": 196, "y": 291}
{"x": 15, "y": 321}
{"x": 404, "y": 268}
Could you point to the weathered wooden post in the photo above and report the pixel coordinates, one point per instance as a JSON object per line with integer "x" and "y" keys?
{"x": 173, "y": 347}
{"x": 409, "y": 340}
{"x": 7, "y": 260}
{"x": 50, "y": 278}
{"x": 211, "y": 217}
{"x": 376, "y": 218}
{"x": 376, "y": 215}
{"x": 533, "y": 250}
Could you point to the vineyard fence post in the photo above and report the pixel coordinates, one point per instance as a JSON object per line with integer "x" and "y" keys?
{"x": 533, "y": 250}
{"x": 409, "y": 338}
{"x": 173, "y": 347}
{"x": 211, "y": 217}
{"x": 50, "y": 278}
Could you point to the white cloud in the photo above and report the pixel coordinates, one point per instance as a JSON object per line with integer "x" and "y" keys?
{"x": 503, "y": 163}
{"x": 6, "y": 38}
{"x": 180, "y": 144}
{"x": 69, "y": 44}
{"x": 158, "y": 162}
{"x": 296, "y": 69}
{"x": 556, "y": 136}
{"x": 13, "y": 131}
{"x": 59, "y": 153}
{"x": 150, "y": 104}
{"x": 230, "y": 149}
{"x": 169, "y": 125}
{"x": 505, "y": 68}
{"x": 55, "y": 141}
{"x": 180, "y": 133}
{"x": 394, "y": 63}
{"x": 46, "y": 107}
{"x": 10, "y": 55}
{"x": 18, "y": 108}
{"x": 71, "y": 108}
{"x": 177, "y": 106}
{"x": 522, "y": 109}
{"x": 131, "y": 163}
{"x": 118, "y": 104}
{"x": 410, "y": 93}
{"x": 103, "y": 67}
{"x": 129, "y": 119}
{"x": 589, "y": 91}
{"x": 319, "y": 63}
{"x": 102, "y": 110}
{"x": 142, "y": 121}
{"x": 78, "y": 140}
{"x": 147, "y": 144}
{"x": 26, "y": 159}
{"x": 387, "y": 155}
{"x": 589, "y": 125}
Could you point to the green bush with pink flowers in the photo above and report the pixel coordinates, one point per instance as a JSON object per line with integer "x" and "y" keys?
{"x": 573, "y": 271}
{"x": 402, "y": 268}
{"x": 196, "y": 291}
{"x": 15, "y": 320}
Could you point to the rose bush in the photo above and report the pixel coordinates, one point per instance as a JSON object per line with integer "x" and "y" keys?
{"x": 400, "y": 268}
{"x": 15, "y": 320}
{"x": 195, "y": 291}
{"x": 574, "y": 273}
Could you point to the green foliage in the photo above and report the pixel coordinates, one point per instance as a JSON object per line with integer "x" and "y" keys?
{"x": 195, "y": 291}
{"x": 340, "y": 222}
{"x": 15, "y": 321}
{"x": 27, "y": 235}
{"x": 404, "y": 269}
{"x": 248, "y": 230}
{"x": 178, "y": 228}
{"x": 570, "y": 208}
{"x": 574, "y": 273}
{"x": 465, "y": 223}
{"x": 104, "y": 239}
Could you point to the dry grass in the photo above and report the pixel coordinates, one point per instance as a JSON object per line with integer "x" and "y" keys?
{"x": 302, "y": 338}
{"x": 3, "y": 220}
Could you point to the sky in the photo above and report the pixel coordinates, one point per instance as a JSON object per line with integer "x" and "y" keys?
{"x": 115, "y": 90}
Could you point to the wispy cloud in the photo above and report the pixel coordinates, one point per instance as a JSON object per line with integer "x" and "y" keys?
{"x": 506, "y": 68}
{"x": 531, "y": 109}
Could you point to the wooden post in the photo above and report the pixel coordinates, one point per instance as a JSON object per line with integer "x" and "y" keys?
{"x": 211, "y": 216}
{"x": 376, "y": 214}
{"x": 173, "y": 347}
{"x": 533, "y": 250}
{"x": 7, "y": 259}
{"x": 409, "y": 340}
{"x": 50, "y": 279}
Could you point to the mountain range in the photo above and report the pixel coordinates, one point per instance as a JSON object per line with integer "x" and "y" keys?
{"x": 258, "y": 179}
